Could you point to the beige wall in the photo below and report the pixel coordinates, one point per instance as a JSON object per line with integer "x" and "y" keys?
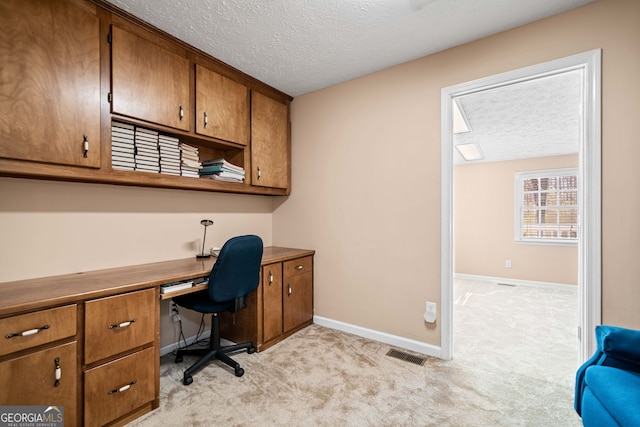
{"x": 484, "y": 225}
{"x": 49, "y": 228}
{"x": 366, "y": 171}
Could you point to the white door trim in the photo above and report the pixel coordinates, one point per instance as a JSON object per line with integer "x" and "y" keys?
{"x": 589, "y": 182}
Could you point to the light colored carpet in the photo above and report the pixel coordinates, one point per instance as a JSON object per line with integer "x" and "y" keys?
{"x": 510, "y": 368}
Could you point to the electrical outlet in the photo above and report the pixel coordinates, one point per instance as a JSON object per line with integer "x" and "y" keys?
{"x": 173, "y": 308}
{"x": 430, "y": 313}
{"x": 508, "y": 263}
{"x": 173, "y": 311}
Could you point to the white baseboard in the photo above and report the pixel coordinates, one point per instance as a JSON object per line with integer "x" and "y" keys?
{"x": 513, "y": 281}
{"x": 394, "y": 340}
{"x": 171, "y": 347}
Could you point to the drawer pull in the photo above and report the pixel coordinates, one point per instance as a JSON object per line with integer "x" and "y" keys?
{"x": 206, "y": 119}
{"x": 299, "y": 267}
{"x": 123, "y": 388}
{"x": 270, "y": 277}
{"x": 289, "y": 291}
{"x": 181, "y": 113}
{"x": 85, "y": 146}
{"x": 58, "y": 372}
{"x": 25, "y": 333}
{"x": 122, "y": 325}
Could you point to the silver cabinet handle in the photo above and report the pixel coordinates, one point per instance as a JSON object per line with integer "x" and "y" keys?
{"x": 299, "y": 267}
{"x": 122, "y": 325}
{"x": 270, "y": 278}
{"x": 289, "y": 291}
{"x": 259, "y": 173}
{"x": 28, "y": 332}
{"x": 181, "y": 113}
{"x": 206, "y": 119}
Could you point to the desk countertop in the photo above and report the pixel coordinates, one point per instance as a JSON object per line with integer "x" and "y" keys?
{"x": 34, "y": 294}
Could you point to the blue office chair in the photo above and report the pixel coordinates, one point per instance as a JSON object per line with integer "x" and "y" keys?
{"x": 235, "y": 274}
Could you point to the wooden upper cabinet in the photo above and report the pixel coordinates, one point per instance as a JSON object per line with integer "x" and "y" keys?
{"x": 269, "y": 142}
{"x": 148, "y": 82}
{"x": 49, "y": 82}
{"x": 222, "y": 107}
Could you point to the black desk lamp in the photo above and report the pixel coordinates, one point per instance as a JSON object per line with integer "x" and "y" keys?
{"x": 206, "y": 223}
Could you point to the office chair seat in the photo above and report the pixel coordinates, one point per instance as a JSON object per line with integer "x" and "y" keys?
{"x": 235, "y": 274}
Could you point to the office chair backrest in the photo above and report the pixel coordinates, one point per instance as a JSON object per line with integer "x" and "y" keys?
{"x": 236, "y": 272}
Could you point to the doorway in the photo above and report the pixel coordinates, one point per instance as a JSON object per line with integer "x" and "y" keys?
{"x": 589, "y": 202}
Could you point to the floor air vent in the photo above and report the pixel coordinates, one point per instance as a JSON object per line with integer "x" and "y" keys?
{"x": 416, "y": 360}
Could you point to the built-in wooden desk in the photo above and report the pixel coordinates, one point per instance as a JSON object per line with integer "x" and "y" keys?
{"x": 90, "y": 341}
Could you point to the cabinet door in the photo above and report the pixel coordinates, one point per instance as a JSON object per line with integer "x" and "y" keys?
{"x": 49, "y": 82}
{"x": 148, "y": 82}
{"x": 298, "y": 300}
{"x": 31, "y": 380}
{"x": 272, "y": 301}
{"x": 222, "y": 107}
{"x": 269, "y": 142}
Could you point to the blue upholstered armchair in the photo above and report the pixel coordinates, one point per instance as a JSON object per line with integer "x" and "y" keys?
{"x": 608, "y": 385}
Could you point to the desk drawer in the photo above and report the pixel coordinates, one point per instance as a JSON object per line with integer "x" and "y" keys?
{"x": 40, "y": 327}
{"x": 118, "y": 387}
{"x": 116, "y": 324}
{"x": 31, "y": 380}
{"x": 298, "y": 266}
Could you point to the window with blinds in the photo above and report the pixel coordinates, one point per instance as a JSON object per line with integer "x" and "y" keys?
{"x": 547, "y": 206}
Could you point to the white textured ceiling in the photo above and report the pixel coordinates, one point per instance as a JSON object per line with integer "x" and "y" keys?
{"x": 299, "y": 46}
{"x": 534, "y": 118}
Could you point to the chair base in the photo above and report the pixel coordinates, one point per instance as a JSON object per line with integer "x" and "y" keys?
{"x": 214, "y": 352}
{"x": 207, "y": 355}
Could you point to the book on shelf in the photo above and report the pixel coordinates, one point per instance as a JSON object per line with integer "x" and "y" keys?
{"x": 207, "y": 170}
{"x": 191, "y": 163}
{"x": 222, "y": 163}
{"x": 121, "y": 161}
{"x": 190, "y": 174}
{"x": 123, "y": 168}
{"x": 122, "y": 149}
{"x": 121, "y": 139}
{"x": 223, "y": 178}
{"x": 143, "y": 160}
{"x": 169, "y": 172}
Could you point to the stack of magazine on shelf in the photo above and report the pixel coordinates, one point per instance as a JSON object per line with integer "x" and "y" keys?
{"x": 122, "y": 146}
{"x": 221, "y": 169}
{"x": 189, "y": 160}
{"x": 169, "y": 155}
{"x": 147, "y": 154}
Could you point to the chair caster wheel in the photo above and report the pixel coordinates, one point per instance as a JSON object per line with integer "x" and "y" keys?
{"x": 239, "y": 372}
{"x": 179, "y": 359}
{"x": 188, "y": 379}
{"x": 251, "y": 350}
